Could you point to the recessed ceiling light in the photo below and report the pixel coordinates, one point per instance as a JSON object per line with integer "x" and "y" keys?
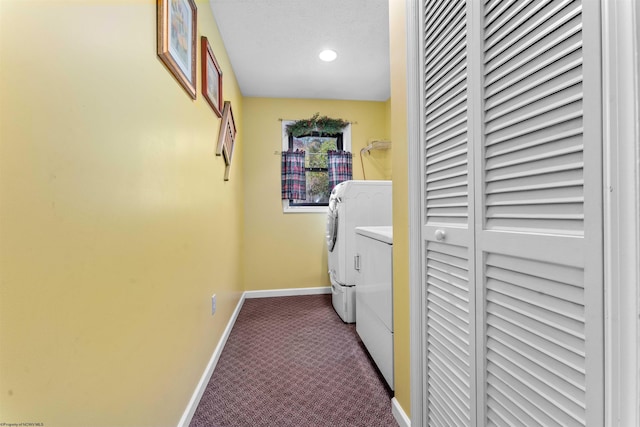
{"x": 328, "y": 55}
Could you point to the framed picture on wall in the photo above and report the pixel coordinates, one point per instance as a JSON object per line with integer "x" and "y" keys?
{"x": 211, "y": 77}
{"x": 227, "y": 137}
{"x": 177, "y": 21}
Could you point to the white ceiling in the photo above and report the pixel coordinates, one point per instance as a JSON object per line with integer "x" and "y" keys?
{"x": 273, "y": 47}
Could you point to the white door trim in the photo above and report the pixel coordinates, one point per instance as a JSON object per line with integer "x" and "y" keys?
{"x": 414, "y": 133}
{"x": 620, "y": 46}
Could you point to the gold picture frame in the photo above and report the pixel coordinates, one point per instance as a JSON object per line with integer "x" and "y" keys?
{"x": 177, "y": 42}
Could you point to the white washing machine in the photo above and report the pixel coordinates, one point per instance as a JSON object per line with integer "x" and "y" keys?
{"x": 352, "y": 204}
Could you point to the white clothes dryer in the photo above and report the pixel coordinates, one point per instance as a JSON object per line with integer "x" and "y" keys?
{"x": 352, "y": 204}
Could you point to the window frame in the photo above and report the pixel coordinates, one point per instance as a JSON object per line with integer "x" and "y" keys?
{"x": 287, "y": 142}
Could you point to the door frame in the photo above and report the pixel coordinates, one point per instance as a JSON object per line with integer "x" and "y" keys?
{"x": 415, "y": 130}
{"x": 621, "y": 129}
{"x": 621, "y": 173}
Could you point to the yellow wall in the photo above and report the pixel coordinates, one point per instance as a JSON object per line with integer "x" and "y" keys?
{"x": 388, "y": 165}
{"x": 401, "y": 304}
{"x": 289, "y": 250}
{"x": 377, "y": 163}
{"x": 116, "y": 226}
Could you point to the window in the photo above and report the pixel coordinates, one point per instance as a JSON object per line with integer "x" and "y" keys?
{"x": 315, "y": 146}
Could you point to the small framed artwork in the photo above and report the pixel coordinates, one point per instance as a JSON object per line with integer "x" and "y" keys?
{"x": 211, "y": 77}
{"x": 227, "y": 137}
{"x": 177, "y": 21}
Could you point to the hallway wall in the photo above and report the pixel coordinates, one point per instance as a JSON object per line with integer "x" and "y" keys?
{"x": 398, "y": 118}
{"x": 116, "y": 226}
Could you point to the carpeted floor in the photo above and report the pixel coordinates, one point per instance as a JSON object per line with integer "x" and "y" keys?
{"x": 291, "y": 361}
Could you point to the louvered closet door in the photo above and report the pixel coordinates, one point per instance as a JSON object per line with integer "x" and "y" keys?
{"x": 538, "y": 186}
{"x": 448, "y": 256}
{"x": 513, "y": 315}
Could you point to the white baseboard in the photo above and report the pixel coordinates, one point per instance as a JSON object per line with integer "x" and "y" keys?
{"x": 206, "y": 376}
{"x": 288, "y": 292}
{"x": 399, "y": 414}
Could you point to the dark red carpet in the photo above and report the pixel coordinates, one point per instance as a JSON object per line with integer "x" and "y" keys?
{"x": 291, "y": 361}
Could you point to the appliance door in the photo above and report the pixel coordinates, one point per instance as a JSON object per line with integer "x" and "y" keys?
{"x": 374, "y": 302}
{"x": 332, "y": 224}
{"x": 335, "y": 243}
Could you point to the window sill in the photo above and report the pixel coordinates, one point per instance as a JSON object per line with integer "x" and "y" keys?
{"x": 303, "y": 209}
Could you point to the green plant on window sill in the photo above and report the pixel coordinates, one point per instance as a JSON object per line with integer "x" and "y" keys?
{"x": 324, "y": 124}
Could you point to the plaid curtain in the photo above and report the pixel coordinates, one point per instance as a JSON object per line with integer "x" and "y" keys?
{"x": 294, "y": 179}
{"x": 340, "y": 169}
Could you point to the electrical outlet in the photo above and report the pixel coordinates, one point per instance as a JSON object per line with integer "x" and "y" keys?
{"x": 213, "y": 304}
